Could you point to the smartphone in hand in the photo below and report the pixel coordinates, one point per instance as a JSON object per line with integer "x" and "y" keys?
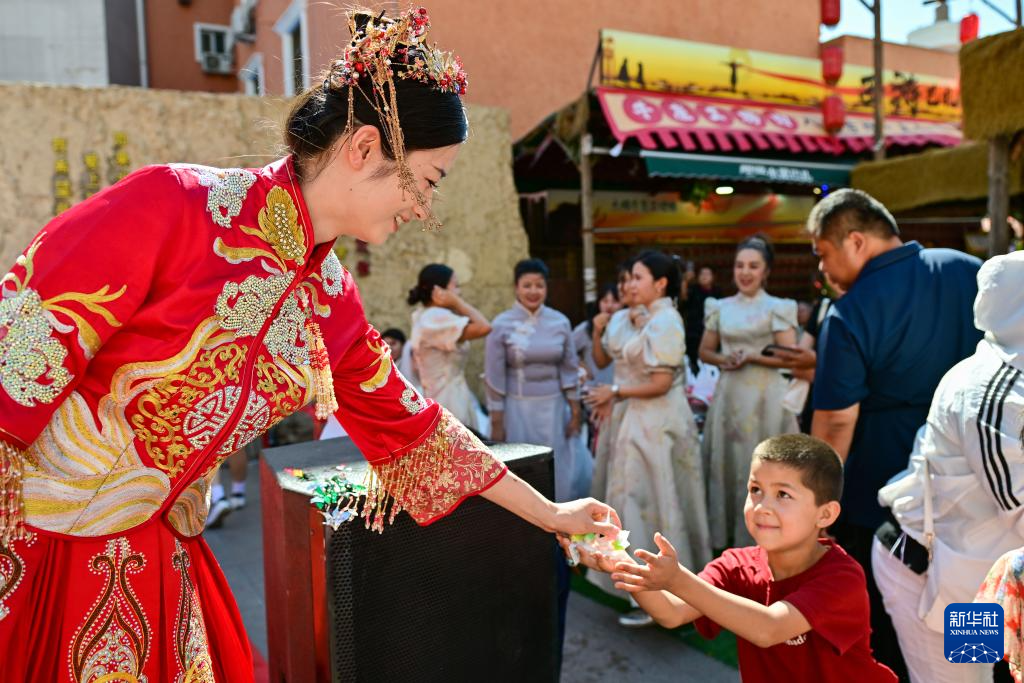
{"x": 772, "y": 348}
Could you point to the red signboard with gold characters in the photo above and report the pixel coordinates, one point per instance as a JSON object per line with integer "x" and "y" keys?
{"x": 683, "y": 67}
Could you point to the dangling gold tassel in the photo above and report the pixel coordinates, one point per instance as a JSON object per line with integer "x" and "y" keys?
{"x": 390, "y": 487}
{"x": 320, "y": 362}
{"x": 12, "y": 506}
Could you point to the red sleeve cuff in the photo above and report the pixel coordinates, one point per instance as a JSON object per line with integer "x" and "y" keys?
{"x": 434, "y": 477}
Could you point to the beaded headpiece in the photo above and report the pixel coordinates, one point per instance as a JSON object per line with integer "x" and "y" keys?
{"x": 383, "y": 49}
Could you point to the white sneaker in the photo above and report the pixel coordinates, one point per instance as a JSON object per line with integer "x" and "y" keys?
{"x": 635, "y": 618}
{"x": 237, "y": 501}
{"x": 218, "y": 511}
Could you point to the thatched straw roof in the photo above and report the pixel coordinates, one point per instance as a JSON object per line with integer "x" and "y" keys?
{"x": 992, "y": 85}
{"x": 934, "y": 177}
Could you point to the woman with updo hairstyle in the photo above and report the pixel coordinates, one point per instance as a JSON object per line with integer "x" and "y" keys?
{"x": 531, "y": 373}
{"x": 747, "y": 407}
{"x": 442, "y": 326}
{"x": 173, "y": 318}
{"x": 654, "y": 477}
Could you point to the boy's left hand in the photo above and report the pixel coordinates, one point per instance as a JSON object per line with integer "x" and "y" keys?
{"x": 660, "y": 572}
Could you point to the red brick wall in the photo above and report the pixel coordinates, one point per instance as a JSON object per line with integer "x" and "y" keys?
{"x": 170, "y": 44}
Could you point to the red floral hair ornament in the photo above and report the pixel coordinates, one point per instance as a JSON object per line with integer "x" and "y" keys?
{"x": 381, "y": 50}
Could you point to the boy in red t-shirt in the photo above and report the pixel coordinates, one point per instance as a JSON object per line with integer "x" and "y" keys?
{"x": 797, "y": 602}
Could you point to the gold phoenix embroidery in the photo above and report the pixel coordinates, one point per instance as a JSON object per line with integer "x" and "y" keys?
{"x": 245, "y": 307}
{"x": 383, "y": 363}
{"x": 279, "y": 220}
{"x": 410, "y": 398}
{"x": 279, "y": 227}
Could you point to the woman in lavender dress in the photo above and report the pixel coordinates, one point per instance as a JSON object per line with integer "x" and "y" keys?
{"x": 532, "y": 380}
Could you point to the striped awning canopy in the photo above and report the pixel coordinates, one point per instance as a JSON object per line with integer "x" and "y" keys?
{"x": 699, "y": 124}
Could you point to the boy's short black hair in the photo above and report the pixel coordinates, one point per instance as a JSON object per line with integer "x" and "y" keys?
{"x": 821, "y": 469}
{"x": 394, "y": 333}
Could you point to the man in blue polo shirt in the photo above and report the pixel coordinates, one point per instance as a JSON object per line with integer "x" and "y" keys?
{"x": 907, "y": 317}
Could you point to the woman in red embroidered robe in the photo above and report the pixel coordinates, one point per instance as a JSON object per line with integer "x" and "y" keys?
{"x": 153, "y": 329}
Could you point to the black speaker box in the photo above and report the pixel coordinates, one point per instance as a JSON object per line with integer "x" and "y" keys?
{"x": 471, "y": 597}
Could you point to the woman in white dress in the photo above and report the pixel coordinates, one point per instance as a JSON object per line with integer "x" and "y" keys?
{"x": 747, "y": 406}
{"x": 655, "y": 478}
{"x": 441, "y": 331}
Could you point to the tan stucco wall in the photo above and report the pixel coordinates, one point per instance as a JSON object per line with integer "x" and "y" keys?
{"x": 482, "y": 238}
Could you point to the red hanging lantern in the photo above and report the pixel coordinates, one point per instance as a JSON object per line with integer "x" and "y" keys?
{"x": 833, "y": 114}
{"x": 831, "y": 63}
{"x": 969, "y": 27}
{"x": 830, "y": 12}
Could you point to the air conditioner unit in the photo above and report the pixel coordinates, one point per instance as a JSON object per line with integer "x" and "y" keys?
{"x": 217, "y": 63}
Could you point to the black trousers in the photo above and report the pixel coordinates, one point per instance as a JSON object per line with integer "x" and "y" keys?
{"x": 856, "y": 541}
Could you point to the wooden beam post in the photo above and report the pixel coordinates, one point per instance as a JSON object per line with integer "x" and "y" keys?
{"x": 879, "y": 84}
{"x": 998, "y": 194}
{"x": 587, "y": 211}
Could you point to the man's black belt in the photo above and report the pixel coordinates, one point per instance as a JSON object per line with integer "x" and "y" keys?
{"x": 907, "y": 550}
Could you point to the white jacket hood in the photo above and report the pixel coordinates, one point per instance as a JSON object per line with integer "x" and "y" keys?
{"x": 999, "y": 308}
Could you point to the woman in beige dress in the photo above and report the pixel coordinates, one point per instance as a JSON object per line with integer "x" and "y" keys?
{"x": 655, "y": 479}
{"x": 747, "y": 405}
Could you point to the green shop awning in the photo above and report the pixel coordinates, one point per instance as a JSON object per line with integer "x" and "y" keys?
{"x": 749, "y": 169}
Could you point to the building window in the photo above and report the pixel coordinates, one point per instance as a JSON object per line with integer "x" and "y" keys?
{"x": 214, "y": 48}
{"x": 294, "y": 47}
{"x": 252, "y": 76}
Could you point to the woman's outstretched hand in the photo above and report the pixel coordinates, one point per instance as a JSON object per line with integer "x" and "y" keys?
{"x": 586, "y": 516}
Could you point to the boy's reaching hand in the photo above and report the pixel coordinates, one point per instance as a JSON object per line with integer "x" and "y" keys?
{"x": 659, "y": 574}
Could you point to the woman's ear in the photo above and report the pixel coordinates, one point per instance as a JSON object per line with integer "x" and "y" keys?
{"x": 362, "y": 148}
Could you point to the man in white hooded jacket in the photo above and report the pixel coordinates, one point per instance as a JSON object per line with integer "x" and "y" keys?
{"x": 948, "y": 529}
